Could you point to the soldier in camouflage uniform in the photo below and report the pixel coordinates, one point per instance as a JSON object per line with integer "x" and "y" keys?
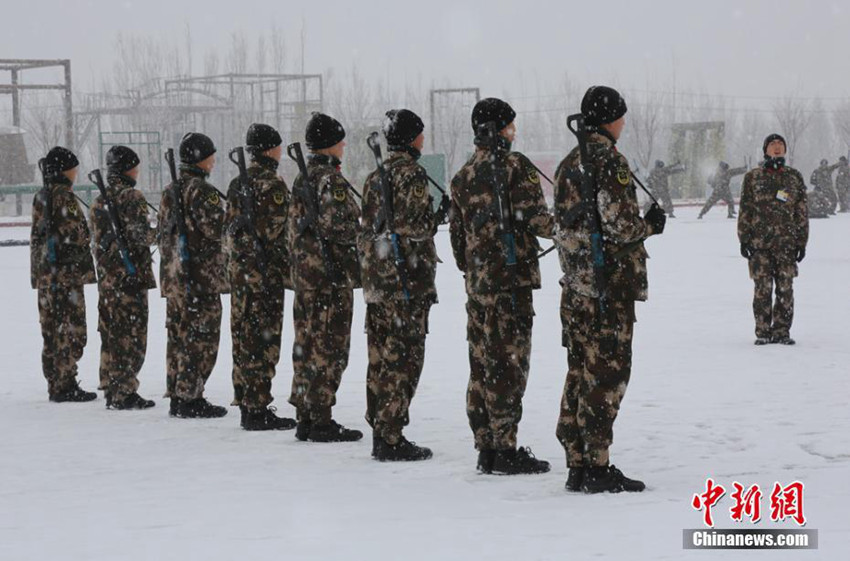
{"x": 773, "y": 228}
{"x": 720, "y": 190}
{"x": 659, "y": 184}
{"x": 821, "y": 180}
{"x": 259, "y": 273}
{"x": 598, "y": 317}
{"x": 122, "y": 297}
{"x": 60, "y": 264}
{"x": 499, "y": 306}
{"x": 192, "y": 290}
{"x": 842, "y": 184}
{"x": 325, "y": 272}
{"x": 398, "y": 296}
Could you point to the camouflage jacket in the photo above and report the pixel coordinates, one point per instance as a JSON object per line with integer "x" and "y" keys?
{"x": 476, "y": 236}
{"x": 133, "y": 216}
{"x": 71, "y": 239}
{"x": 415, "y": 225}
{"x": 271, "y": 213}
{"x": 659, "y": 178}
{"x": 203, "y": 215}
{"x": 623, "y": 229}
{"x": 821, "y": 178}
{"x": 842, "y": 179}
{"x": 720, "y": 180}
{"x": 338, "y": 222}
{"x": 773, "y": 214}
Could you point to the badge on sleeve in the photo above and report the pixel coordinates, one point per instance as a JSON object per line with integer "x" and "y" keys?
{"x": 72, "y": 208}
{"x": 782, "y": 195}
{"x": 213, "y": 199}
{"x": 278, "y": 197}
{"x": 419, "y": 191}
{"x": 339, "y": 194}
{"x": 623, "y": 176}
{"x": 533, "y": 177}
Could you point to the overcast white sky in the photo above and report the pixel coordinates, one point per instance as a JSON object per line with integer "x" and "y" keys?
{"x": 742, "y": 48}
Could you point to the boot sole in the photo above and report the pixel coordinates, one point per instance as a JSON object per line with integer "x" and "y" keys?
{"x": 263, "y": 429}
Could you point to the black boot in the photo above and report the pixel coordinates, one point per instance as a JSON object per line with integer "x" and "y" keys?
{"x": 783, "y": 340}
{"x": 575, "y": 477}
{"x": 519, "y": 461}
{"x": 402, "y": 451}
{"x": 132, "y": 401}
{"x": 302, "y": 431}
{"x": 485, "y": 461}
{"x": 265, "y": 419}
{"x": 609, "y": 479}
{"x": 762, "y": 341}
{"x": 199, "y": 409}
{"x": 174, "y": 406}
{"x": 332, "y": 432}
{"x": 75, "y": 394}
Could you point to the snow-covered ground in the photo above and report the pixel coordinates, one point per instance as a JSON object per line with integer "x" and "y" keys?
{"x": 80, "y": 482}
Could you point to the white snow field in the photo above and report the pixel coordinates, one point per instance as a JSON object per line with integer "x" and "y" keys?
{"x": 80, "y": 482}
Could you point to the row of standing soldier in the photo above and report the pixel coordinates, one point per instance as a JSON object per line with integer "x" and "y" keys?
{"x": 322, "y": 243}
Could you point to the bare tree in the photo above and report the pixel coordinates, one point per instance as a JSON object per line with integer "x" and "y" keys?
{"x": 44, "y": 119}
{"x": 236, "y": 60}
{"x": 645, "y": 125}
{"x": 794, "y": 118}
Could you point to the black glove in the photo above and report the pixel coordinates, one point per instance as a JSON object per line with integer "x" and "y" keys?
{"x": 746, "y": 251}
{"x": 442, "y": 214}
{"x": 656, "y": 218}
{"x": 801, "y": 254}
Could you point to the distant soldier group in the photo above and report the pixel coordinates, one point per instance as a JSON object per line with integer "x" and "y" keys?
{"x": 323, "y": 240}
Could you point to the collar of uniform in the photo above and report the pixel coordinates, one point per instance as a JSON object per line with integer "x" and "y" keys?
{"x": 265, "y": 162}
{"x": 193, "y": 170}
{"x": 774, "y": 164}
{"x": 60, "y": 180}
{"x": 118, "y": 181}
{"x": 324, "y": 160}
{"x": 603, "y": 136}
{"x": 407, "y": 150}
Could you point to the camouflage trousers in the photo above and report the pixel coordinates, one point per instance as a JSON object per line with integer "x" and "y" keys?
{"x": 123, "y": 326}
{"x": 663, "y": 196}
{"x": 62, "y": 314}
{"x": 819, "y": 205}
{"x": 256, "y": 325}
{"x": 843, "y": 199}
{"x": 832, "y": 198}
{"x": 194, "y": 329}
{"x": 773, "y": 272}
{"x": 396, "y": 333}
{"x": 498, "y": 333}
{"x": 599, "y": 353}
{"x": 320, "y": 353}
{"x": 717, "y": 195}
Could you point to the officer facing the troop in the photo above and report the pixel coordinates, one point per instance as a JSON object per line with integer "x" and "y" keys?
{"x": 398, "y": 285}
{"x": 498, "y": 210}
{"x": 598, "y": 315}
{"x": 325, "y": 272}
{"x": 60, "y": 264}
{"x": 259, "y": 273}
{"x": 122, "y": 287}
{"x": 773, "y": 228}
{"x": 193, "y": 280}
